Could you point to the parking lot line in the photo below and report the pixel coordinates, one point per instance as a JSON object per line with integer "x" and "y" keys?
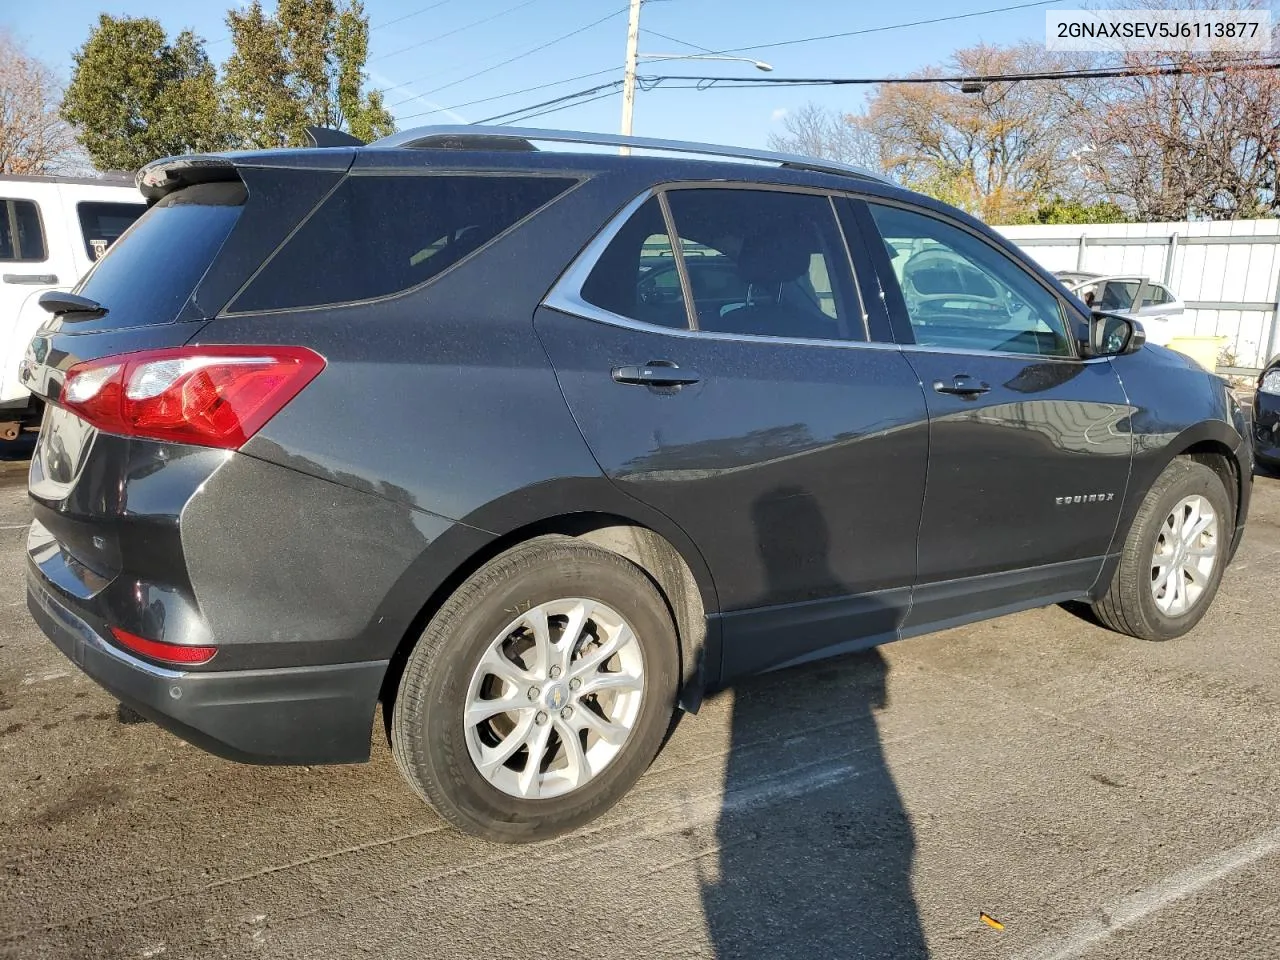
{"x": 1136, "y": 907}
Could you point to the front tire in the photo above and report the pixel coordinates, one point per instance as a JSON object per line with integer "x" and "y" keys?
{"x": 539, "y": 693}
{"x": 1173, "y": 559}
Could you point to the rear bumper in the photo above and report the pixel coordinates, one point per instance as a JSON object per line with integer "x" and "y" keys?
{"x": 285, "y": 715}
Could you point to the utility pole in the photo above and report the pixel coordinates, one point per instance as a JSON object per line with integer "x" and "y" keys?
{"x": 629, "y": 76}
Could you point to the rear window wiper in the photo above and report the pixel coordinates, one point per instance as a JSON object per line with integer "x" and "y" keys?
{"x": 71, "y": 306}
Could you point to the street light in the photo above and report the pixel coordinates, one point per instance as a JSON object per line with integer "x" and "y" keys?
{"x": 758, "y": 64}
{"x": 629, "y": 78}
{"x": 629, "y": 73}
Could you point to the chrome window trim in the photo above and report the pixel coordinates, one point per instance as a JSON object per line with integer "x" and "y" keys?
{"x": 566, "y": 294}
{"x": 974, "y": 352}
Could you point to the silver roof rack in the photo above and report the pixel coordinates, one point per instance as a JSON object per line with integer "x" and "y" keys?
{"x": 475, "y": 137}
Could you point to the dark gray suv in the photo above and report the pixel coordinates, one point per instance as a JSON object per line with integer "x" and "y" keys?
{"x": 537, "y": 447}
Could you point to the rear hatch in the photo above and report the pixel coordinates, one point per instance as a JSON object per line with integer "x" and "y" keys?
{"x": 211, "y": 223}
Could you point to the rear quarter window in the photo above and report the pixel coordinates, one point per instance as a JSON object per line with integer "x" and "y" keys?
{"x": 379, "y": 235}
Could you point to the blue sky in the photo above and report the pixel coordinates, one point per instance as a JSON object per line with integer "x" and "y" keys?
{"x": 437, "y": 58}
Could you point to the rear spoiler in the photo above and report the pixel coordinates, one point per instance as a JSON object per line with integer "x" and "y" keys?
{"x": 161, "y": 177}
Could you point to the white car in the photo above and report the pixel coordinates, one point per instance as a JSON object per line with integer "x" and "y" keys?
{"x": 52, "y": 229}
{"x": 1162, "y": 313}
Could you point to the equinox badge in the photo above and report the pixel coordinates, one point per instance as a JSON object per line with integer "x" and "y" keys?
{"x": 1084, "y": 498}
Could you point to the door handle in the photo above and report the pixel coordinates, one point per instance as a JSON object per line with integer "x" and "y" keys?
{"x": 41, "y": 279}
{"x": 655, "y": 373}
{"x": 962, "y": 385}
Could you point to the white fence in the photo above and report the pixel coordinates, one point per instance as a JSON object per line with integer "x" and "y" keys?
{"x": 1227, "y": 274}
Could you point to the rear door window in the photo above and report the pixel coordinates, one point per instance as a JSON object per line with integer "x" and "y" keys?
{"x": 149, "y": 274}
{"x": 102, "y": 224}
{"x": 766, "y": 263}
{"x": 21, "y": 236}
{"x": 379, "y": 235}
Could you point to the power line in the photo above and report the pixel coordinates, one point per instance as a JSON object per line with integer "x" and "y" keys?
{"x": 431, "y": 6}
{"x": 1103, "y": 73}
{"x": 705, "y": 83}
{"x": 504, "y": 96}
{"x": 407, "y": 16}
{"x": 543, "y": 113}
{"x": 450, "y": 33}
{"x": 851, "y": 33}
{"x": 610, "y": 86}
{"x": 892, "y": 26}
{"x": 527, "y": 53}
{"x": 683, "y": 43}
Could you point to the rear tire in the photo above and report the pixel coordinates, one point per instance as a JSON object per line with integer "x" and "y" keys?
{"x": 522, "y": 634}
{"x": 1165, "y": 582}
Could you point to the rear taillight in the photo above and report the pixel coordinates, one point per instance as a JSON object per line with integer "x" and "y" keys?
{"x": 213, "y": 396}
{"x": 175, "y": 653}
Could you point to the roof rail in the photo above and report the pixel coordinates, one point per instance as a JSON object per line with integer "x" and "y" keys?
{"x": 475, "y": 137}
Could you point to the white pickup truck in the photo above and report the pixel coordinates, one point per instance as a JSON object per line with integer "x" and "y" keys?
{"x": 52, "y": 229}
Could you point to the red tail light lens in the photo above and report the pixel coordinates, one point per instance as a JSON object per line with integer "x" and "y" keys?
{"x": 175, "y": 653}
{"x": 213, "y": 396}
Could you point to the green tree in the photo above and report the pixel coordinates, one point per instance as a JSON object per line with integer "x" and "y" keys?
{"x": 367, "y": 116}
{"x": 302, "y": 66}
{"x": 261, "y": 108}
{"x": 135, "y": 96}
{"x": 1058, "y": 210}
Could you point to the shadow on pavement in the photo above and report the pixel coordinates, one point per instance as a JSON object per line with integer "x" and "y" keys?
{"x": 816, "y": 848}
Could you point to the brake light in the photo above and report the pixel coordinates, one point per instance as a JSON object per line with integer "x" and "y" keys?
{"x": 175, "y": 653}
{"x": 213, "y": 396}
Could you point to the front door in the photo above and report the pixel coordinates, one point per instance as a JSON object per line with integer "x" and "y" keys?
{"x": 1029, "y": 456}
{"x": 762, "y": 421}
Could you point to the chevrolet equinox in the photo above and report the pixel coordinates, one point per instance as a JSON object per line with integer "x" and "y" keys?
{"x": 536, "y": 447}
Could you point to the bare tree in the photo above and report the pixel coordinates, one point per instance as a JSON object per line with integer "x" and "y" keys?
{"x": 815, "y": 131}
{"x": 33, "y": 137}
{"x": 993, "y": 152}
{"x": 1202, "y": 144}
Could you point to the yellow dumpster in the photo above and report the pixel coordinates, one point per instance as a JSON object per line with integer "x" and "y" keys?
{"x": 1203, "y": 350}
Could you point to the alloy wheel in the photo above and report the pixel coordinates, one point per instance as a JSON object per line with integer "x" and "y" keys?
{"x": 1186, "y": 550}
{"x": 554, "y": 698}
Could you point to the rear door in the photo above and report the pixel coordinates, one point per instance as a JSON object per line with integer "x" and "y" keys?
{"x": 1029, "y": 447}
{"x": 746, "y": 402}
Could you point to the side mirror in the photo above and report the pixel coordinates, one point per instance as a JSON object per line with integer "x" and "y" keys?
{"x": 1111, "y": 335}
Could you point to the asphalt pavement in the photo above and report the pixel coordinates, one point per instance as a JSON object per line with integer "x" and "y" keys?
{"x": 1033, "y": 788}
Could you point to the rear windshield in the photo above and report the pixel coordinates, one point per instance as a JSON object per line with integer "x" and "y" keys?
{"x": 148, "y": 274}
{"x": 378, "y": 235}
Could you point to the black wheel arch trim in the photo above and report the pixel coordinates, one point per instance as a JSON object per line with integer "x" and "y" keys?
{"x": 1148, "y": 465}
{"x": 521, "y": 515}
